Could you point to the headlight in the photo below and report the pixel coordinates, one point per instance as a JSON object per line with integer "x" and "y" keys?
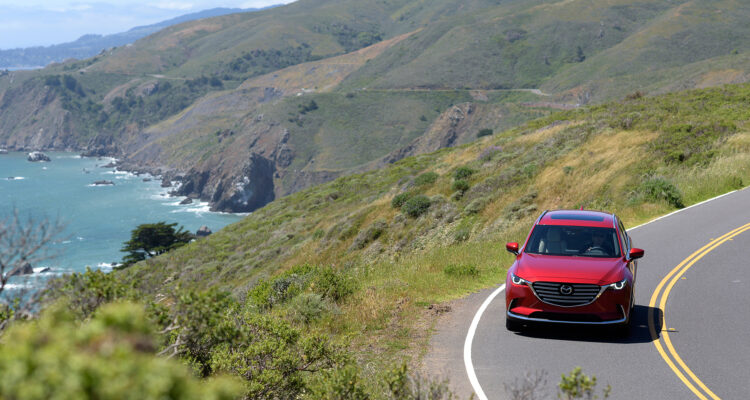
{"x": 618, "y": 285}
{"x": 518, "y": 281}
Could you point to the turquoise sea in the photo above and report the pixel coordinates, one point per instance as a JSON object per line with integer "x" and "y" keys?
{"x": 98, "y": 219}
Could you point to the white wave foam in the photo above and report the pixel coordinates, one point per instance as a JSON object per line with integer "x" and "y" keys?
{"x": 15, "y": 178}
{"x": 197, "y": 208}
{"x": 18, "y": 286}
{"x": 103, "y": 265}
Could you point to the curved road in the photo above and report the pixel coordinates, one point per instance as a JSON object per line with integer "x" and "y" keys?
{"x": 702, "y": 351}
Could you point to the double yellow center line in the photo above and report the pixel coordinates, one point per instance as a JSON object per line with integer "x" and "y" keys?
{"x": 680, "y": 369}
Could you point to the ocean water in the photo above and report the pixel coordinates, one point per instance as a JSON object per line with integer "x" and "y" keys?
{"x": 98, "y": 219}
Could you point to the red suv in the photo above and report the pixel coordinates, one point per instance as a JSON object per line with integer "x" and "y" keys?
{"x": 576, "y": 267}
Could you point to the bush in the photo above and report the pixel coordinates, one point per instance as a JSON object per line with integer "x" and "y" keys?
{"x": 341, "y": 384}
{"x": 463, "y": 173}
{"x": 416, "y": 206}
{"x": 307, "y": 307}
{"x": 659, "y": 188}
{"x": 462, "y": 234}
{"x": 485, "y": 132}
{"x": 198, "y": 323}
{"x": 428, "y": 178}
{"x": 400, "y": 199}
{"x": 403, "y": 386}
{"x": 273, "y": 357}
{"x": 579, "y": 386}
{"x": 461, "y": 270}
{"x": 86, "y": 292}
{"x": 476, "y": 206}
{"x": 460, "y": 185}
{"x": 111, "y": 356}
{"x": 331, "y": 284}
{"x": 371, "y": 234}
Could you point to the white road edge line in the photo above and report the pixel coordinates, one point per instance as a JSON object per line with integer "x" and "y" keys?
{"x": 475, "y": 322}
{"x": 470, "y": 339}
{"x": 683, "y": 209}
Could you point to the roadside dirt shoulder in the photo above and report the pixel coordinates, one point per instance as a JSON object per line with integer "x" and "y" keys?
{"x": 445, "y": 354}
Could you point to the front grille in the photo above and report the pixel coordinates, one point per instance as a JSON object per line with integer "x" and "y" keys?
{"x": 581, "y": 294}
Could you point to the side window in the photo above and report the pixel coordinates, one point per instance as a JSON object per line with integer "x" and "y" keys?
{"x": 624, "y": 237}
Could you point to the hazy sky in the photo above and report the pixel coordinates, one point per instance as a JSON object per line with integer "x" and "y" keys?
{"x": 44, "y": 22}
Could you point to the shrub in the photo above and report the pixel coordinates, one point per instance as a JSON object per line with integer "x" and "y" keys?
{"x": 307, "y": 307}
{"x": 403, "y": 386}
{"x": 463, "y": 173}
{"x": 371, "y": 234}
{"x": 341, "y": 384}
{"x": 85, "y": 292}
{"x": 577, "y": 385}
{"x": 485, "y": 132}
{"x": 462, "y": 234}
{"x": 111, "y": 356}
{"x": 198, "y": 322}
{"x": 331, "y": 284}
{"x": 476, "y": 206}
{"x": 659, "y": 188}
{"x": 461, "y": 270}
{"x": 488, "y": 153}
{"x": 460, "y": 185}
{"x": 416, "y": 206}
{"x": 428, "y": 178}
{"x": 400, "y": 199}
{"x": 273, "y": 357}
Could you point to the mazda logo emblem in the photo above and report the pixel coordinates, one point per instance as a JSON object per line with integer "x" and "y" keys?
{"x": 566, "y": 289}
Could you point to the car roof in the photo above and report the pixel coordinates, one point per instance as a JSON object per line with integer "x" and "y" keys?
{"x": 577, "y": 218}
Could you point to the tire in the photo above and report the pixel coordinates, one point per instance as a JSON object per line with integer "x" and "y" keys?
{"x": 513, "y": 325}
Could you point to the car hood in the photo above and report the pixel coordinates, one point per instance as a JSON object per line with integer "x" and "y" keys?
{"x": 600, "y": 271}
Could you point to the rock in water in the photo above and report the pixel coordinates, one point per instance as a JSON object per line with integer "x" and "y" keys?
{"x": 203, "y": 231}
{"x": 103, "y": 182}
{"x": 186, "y": 201}
{"x": 25, "y": 269}
{"x": 166, "y": 183}
{"x": 3, "y": 151}
{"x": 37, "y": 156}
{"x": 147, "y": 179}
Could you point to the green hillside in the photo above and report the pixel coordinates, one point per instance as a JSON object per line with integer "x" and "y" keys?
{"x": 373, "y": 270}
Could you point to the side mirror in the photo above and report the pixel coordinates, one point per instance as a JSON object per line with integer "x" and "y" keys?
{"x": 636, "y": 253}
{"x": 512, "y": 247}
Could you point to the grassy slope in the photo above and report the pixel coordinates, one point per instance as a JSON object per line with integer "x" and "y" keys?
{"x": 607, "y": 157}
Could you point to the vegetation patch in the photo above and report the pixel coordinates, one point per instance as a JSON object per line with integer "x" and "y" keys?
{"x": 416, "y": 206}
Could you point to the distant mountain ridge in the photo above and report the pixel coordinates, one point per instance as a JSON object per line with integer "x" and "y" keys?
{"x": 90, "y": 45}
{"x": 249, "y": 107}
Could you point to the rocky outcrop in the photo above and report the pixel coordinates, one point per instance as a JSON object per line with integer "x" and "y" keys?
{"x": 24, "y": 269}
{"x": 203, "y": 231}
{"x": 253, "y": 189}
{"x": 103, "y": 183}
{"x": 37, "y": 156}
{"x": 186, "y": 201}
{"x": 3, "y": 151}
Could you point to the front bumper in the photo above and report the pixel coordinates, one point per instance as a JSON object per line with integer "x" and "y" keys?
{"x": 520, "y": 317}
{"x": 609, "y": 307}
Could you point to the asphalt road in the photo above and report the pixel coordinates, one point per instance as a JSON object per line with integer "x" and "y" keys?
{"x": 705, "y": 321}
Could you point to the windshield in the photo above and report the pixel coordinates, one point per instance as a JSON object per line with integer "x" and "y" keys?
{"x": 574, "y": 241}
